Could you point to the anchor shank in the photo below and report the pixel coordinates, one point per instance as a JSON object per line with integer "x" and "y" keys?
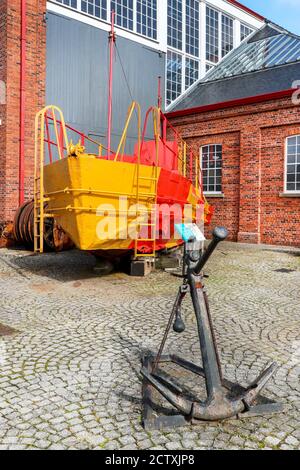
{"x": 208, "y": 350}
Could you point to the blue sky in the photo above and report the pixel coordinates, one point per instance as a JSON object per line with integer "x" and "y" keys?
{"x": 283, "y": 12}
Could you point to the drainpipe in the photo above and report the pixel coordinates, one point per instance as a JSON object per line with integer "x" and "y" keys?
{"x": 22, "y": 102}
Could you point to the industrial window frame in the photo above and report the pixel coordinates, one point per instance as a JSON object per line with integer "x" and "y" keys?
{"x": 227, "y": 34}
{"x": 174, "y": 83}
{"x": 175, "y": 24}
{"x": 95, "y": 8}
{"x": 69, "y": 3}
{"x": 192, "y": 25}
{"x": 292, "y": 160}
{"x": 185, "y": 43}
{"x": 124, "y": 13}
{"x": 244, "y": 34}
{"x": 212, "y": 35}
{"x": 217, "y": 34}
{"x": 212, "y": 183}
{"x": 146, "y": 18}
{"x": 191, "y": 71}
{"x": 130, "y": 14}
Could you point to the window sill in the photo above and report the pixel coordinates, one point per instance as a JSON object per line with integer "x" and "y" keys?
{"x": 287, "y": 194}
{"x": 214, "y": 195}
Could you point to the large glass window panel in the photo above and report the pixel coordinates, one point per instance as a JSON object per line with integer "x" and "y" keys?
{"x": 124, "y": 13}
{"x": 191, "y": 71}
{"x": 245, "y": 31}
{"x": 192, "y": 27}
{"x": 68, "y": 3}
{"x": 174, "y": 76}
{"x": 97, "y": 8}
{"x": 227, "y": 35}
{"x": 147, "y": 18}
{"x": 175, "y": 23}
{"x": 212, "y": 35}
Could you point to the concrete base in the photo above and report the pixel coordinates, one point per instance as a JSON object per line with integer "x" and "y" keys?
{"x": 142, "y": 267}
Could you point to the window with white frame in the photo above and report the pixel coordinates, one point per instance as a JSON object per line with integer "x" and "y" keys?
{"x": 175, "y": 25}
{"x": 184, "y": 38}
{"x": 192, "y": 28}
{"x": 292, "y": 167}
{"x": 191, "y": 71}
{"x": 219, "y": 35}
{"x": 174, "y": 76}
{"x": 211, "y": 162}
{"x": 97, "y": 8}
{"x": 124, "y": 13}
{"x": 68, "y": 3}
{"x": 245, "y": 31}
{"x": 212, "y": 35}
{"x": 147, "y": 18}
{"x": 227, "y": 35}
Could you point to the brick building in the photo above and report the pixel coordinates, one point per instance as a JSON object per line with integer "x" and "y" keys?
{"x": 55, "y": 52}
{"x": 244, "y": 118}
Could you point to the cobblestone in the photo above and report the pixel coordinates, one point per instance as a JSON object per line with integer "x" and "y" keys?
{"x": 69, "y": 377}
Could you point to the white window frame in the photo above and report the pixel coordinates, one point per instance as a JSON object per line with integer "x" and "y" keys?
{"x": 236, "y": 40}
{"x": 108, "y": 19}
{"x": 288, "y": 191}
{"x": 185, "y": 55}
{"x": 213, "y": 193}
{"x": 246, "y": 26}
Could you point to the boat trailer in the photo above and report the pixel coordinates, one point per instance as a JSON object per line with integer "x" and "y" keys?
{"x": 224, "y": 398}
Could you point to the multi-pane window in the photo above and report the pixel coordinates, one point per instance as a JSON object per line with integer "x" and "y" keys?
{"x": 293, "y": 164}
{"x": 192, "y": 28}
{"x": 68, "y": 3}
{"x": 227, "y": 34}
{"x": 147, "y": 18}
{"x": 175, "y": 24}
{"x": 124, "y": 13}
{"x": 97, "y": 8}
{"x": 245, "y": 31}
{"x": 191, "y": 71}
{"x": 212, "y": 35}
{"x": 211, "y": 156}
{"x": 174, "y": 76}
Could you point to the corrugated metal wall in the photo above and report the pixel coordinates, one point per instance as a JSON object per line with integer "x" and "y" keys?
{"x": 77, "y": 77}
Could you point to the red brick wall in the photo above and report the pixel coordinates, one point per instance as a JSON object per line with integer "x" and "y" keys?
{"x": 10, "y": 18}
{"x": 253, "y": 138}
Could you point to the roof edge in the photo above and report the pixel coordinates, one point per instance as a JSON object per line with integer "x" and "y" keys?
{"x": 247, "y": 9}
{"x": 232, "y": 103}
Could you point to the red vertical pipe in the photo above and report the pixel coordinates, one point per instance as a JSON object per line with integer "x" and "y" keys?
{"x": 112, "y": 39}
{"x": 22, "y": 102}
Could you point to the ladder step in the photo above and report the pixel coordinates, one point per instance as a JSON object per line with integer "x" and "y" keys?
{"x": 146, "y": 239}
{"x": 147, "y": 225}
{"x": 149, "y": 178}
{"x": 149, "y": 255}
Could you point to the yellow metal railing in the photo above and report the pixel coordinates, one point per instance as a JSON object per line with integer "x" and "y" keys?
{"x": 39, "y": 162}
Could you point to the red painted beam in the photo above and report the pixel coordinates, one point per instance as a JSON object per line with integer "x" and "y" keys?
{"x": 248, "y": 10}
{"x": 231, "y": 104}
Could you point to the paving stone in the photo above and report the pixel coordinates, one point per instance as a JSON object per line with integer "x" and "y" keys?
{"x": 70, "y": 379}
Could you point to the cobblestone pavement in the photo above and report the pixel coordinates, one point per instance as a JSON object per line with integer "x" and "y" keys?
{"x": 69, "y": 371}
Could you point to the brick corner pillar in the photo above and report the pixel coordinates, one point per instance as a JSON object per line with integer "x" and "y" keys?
{"x": 34, "y": 39}
{"x": 250, "y": 185}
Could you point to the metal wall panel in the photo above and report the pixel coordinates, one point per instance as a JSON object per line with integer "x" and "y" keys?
{"x": 77, "y": 77}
